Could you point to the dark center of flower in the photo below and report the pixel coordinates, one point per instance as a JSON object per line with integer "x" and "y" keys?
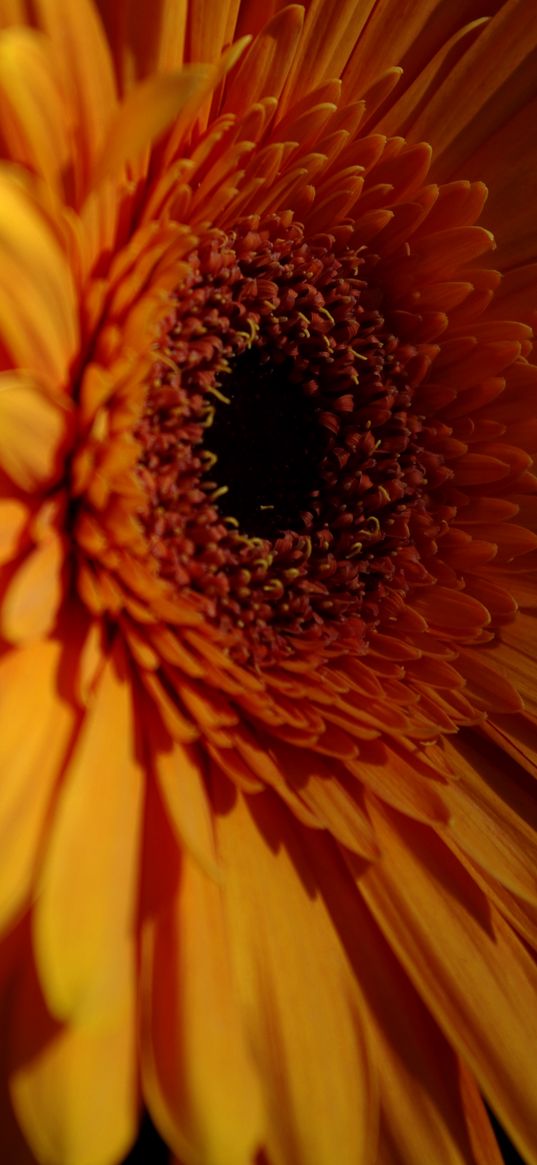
{"x": 268, "y": 444}
{"x": 284, "y": 467}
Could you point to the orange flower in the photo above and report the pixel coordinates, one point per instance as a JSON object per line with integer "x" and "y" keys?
{"x": 268, "y": 703}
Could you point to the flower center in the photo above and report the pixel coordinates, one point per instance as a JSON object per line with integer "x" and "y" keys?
{"x": 268, "y": 446}
{"x": 284, "y": 468}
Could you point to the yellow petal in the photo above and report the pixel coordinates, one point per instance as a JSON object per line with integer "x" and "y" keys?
{"x": 32, "y": 111}
{"x": 74, "y": 1088}
{"x": 37, "y": 306}
{"x": 84, "y": 62}
{"x": 36, "y": 727}
{"x": 85, "y": 912}
{"x": 32, "y": 430}
{"x": 301, "y": 1009}
{"x": 473, "y": 973}
{"x": 147, "y": 111}
{"x": 178, "y": 770}
{"x": 423, "y": 1118}
{"x": 34, "y": 594}
{"x": 199, "y": 1078}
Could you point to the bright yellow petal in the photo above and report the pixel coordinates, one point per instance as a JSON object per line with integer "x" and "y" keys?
{"x": 74, "y": 1088}
{"x": 36, "y": 727}
{"x": 86, "y": 908}
{"x": 34, "y": 594}
{"x": 37, "y": 307}
{"x": 32, "y": 430}
{"x": 199, "y": 1078}
{"x": 32, "y": 113}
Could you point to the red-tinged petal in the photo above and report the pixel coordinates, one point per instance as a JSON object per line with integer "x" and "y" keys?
{"x": 479, "y": 469}
{"x": 514, "y": 653}
{"x": 450, "y": 610}
{"x": 517, "y": 296}
{"x": 485, "y": 359}
{"x": 508, "y": 213}
{"x": 199, "y": 1078}
{"x": 325, "y": 47}
{"x": 478, "y": 971}
{"x": 33, "y": 429}
{"x": 210, "y": 29}
{"x": 34, "y": 594}
{"x": 33, "y": 740}
{"x": 487, "y": 687}
{"x": 516, "y": 735}
{"x": 305, "y": 1031}
{"x": 141, "y": 47}
{"x": 84, "y": 924}
{"x": 266, "y": 63}
{"x": 465, "y": 107}
{"x": 404, "y": 111}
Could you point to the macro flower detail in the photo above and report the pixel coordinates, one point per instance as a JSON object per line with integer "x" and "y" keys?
{"x": 267, "y": 426}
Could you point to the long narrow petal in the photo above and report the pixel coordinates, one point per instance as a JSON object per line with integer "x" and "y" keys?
{"x": 85, "y": 911}
{"x": 302, "y": 1019}
{"x": 199, "y": 1078}
{"x": 477, "y": 971}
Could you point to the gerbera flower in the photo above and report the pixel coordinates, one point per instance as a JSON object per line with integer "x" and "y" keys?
{"x": 268, "y": 712}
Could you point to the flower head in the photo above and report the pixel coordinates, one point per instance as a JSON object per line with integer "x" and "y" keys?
{"x": 266, "y": 436}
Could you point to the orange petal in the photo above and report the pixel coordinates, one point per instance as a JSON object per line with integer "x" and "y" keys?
{"x": 84, "y": 62}
{"x": 32, "y": 111}
{"x": 83, "y": 924}
{"x": 326, "y": 44}
{"x": 424, "y": 1117}
{"x": 464, "y": 106}
{"x": 37, "y": 306}
{"x": 305, "y": 1030}
{"x": 266, "y": 63}
{"x": 494, "y": 821}
{"x": 29, "y": 744}
{"x": 199, "y": 1078}
{"x": 478, "y": 981}
{"x": 33, "y": 596}
{"x": 14, "y": 518}
{"x": 32, "y": 431}
{"x": 150, "y": 107}
{"x": 179, "y": 774}
{"x": 74, "y": 1088}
